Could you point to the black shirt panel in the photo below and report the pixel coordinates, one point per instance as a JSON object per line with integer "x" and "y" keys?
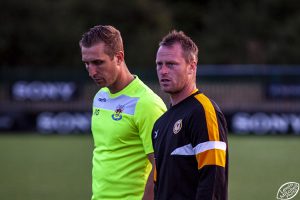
{"x": 178, "y": 177}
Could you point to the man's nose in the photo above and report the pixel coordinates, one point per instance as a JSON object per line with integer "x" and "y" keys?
{"x": 92, "y": 71}
{"x": 164, "y": 69}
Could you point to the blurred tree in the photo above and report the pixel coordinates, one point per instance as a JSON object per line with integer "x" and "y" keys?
{"x": 241, "y": 32}
{"x": 259, "y": 32}
{"x": 46, "y": 32}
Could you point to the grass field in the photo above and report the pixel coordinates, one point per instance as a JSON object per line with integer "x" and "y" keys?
{"x": 37, "y": 167}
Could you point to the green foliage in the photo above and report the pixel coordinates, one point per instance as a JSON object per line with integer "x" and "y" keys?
{"x": 46, "y": 33}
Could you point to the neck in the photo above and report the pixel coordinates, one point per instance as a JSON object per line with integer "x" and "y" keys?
{"x": 184, "y": 93}
{"x": 124, "y": 79}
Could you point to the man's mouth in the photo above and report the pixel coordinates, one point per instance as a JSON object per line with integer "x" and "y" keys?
{"x": 164, "y": 80}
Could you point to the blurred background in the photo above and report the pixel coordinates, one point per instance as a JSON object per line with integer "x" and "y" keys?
{"x": 249, "y": 64}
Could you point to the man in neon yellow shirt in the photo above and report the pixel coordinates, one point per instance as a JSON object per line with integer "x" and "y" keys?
{"x": 124, "y": 111}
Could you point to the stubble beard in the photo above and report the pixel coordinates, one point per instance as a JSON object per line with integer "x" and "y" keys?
{"x": 171, "y": 91}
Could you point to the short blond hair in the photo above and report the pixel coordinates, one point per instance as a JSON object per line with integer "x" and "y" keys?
{"x": 107, "y": 34}
{"x": 190, "y": 49}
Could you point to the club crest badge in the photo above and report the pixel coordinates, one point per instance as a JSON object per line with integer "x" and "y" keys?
{"x": 118, "y": 113}
{"x": 177, "y": 126}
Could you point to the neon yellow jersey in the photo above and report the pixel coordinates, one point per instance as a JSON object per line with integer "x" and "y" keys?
{"x": 121, "y": 125}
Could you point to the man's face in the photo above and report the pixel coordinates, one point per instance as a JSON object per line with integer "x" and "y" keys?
{"x": 101, "y": 68}
{"x": 172, "y": 69}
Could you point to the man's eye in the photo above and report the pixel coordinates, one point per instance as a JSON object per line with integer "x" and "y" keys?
{"x": 98, "y": 62}
{"x": 158, "y": 65}
{"x": 171, "y": 64}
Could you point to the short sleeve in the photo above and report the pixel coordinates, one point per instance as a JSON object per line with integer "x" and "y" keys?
{"x": 148, "y": 110}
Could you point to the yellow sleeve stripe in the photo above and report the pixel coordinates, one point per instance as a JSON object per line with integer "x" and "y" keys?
{"x": 211, "y": 157}
{"x": 211, "y": 118}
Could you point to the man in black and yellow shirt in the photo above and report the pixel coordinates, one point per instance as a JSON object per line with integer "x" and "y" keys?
{"x": 190, "y": 139}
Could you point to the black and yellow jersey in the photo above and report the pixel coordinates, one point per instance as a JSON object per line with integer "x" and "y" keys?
{"x": 191, "y": 151}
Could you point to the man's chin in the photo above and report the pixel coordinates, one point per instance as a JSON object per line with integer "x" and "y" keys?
{"x": 167, "y": 90}
{"x": 100, "y": 84}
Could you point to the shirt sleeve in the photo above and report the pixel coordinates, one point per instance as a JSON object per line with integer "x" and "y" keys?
{"x": 208, "y": 138}
{"x": 147, "y": 112}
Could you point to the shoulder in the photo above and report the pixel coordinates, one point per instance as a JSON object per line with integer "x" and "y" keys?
{"x": 102, "y": 94}
{"x": 149, "y": 105}
{"x": 147, "y": 97}
{"x": 206, "y": 108}
{"x": 204, "y": 102}
{"x": 199, "y": 106}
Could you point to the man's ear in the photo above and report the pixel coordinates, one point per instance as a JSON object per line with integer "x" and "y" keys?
{"x": 120, "y": 57}
{"x": 192, "y": 67}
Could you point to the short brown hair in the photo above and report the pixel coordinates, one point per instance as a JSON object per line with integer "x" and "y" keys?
{"x": 190, "y": 49}
{"x": 103, "y": 33}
